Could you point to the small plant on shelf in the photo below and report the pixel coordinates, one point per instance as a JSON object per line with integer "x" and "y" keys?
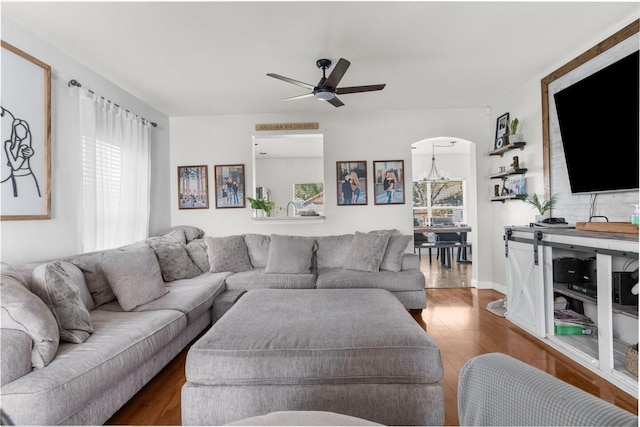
{"x": 513, "y": 126}
{"x": 262, "y": 204}
{"x": 541, "y": 205}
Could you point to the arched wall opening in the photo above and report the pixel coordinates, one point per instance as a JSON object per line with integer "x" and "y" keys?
{"x": 455, "y": 161}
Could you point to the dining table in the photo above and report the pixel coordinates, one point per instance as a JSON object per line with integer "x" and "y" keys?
{"x": 440, "y": 229}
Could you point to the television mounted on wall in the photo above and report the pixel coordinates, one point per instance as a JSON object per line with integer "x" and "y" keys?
{"x": 599, "y": 118}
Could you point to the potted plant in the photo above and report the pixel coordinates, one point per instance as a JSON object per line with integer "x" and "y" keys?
{"x": 261, "y": 206}
{"x": 514, "y": 136}
{"x": 543, "y": 206}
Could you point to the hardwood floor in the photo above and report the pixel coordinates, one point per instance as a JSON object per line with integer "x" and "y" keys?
{"x": 458, "y": 321}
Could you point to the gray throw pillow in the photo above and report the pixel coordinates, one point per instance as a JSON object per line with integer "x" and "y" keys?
{"x": 392, "y": 260}
{"x": 190, "y": 232}
{"x": 94, "y": 276}
{"x": 333, "y": 250}
{"x": 77, "y": 277}
{"x": 290, "y": 254}
{"x": 197, "y": 250}
{"x": 258, "y": 246}
{"x": 367, "y": 251}
{"x": 22, "y": 310}
{"x": 175, "y": 262}
{"x": 227, "y": 253}
{"x": 134, "y": 275}
{"x": 55, "y": 287}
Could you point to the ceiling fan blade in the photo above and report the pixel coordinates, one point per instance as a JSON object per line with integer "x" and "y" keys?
{"x": 335, "y": 102}
{"x": 288, "y": 80}
{"x": 356, "y": 89}
{"x": 337, "y": 73}
{"x": 306, "y": 95}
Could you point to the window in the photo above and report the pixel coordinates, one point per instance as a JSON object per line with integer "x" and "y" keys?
{"x": 439, "y": 202}
{"x": 115, "y": 174}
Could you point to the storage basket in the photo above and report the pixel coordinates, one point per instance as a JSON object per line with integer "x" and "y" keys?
{"x": 631, "y": 360}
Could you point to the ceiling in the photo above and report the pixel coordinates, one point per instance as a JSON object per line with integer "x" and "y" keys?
{"x": 211, "y": 58}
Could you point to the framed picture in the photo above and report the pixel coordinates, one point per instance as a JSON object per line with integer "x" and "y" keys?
{"x": 500, "y": 142}
{"x": 25, "y": 159}
{"x": 502, "y": 125}
{"x": 351, "y": 178}
{"x": 230, "y": 186}
{"x": 517, "y": 186}
{"x": 389, "y": 182}
{"x": 193, "y": 187}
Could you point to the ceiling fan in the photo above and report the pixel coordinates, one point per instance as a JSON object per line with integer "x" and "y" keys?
{"x": 327, "y": 89}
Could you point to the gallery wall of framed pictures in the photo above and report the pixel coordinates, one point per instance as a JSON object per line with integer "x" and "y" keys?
{"x": 352, "y": 184}
{"x": 387, "y": 182}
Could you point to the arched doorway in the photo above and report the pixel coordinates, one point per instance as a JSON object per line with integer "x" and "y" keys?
{"x": 451, "y": 160}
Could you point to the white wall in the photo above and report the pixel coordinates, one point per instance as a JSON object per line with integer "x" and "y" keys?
{"x": 347, "y": 136}
{"x": 525, "y": 103}
{"x": 34, "y": 240}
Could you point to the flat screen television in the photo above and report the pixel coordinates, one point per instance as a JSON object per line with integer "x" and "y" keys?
{"x": 599, "y": 121}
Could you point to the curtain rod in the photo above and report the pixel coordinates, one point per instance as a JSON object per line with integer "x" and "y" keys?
{"x": 74, "y": 82}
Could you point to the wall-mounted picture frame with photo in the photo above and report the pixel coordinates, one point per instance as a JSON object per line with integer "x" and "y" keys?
{"x": 502, "y": 124}
{"x": 389, "y": 182}
{"x": 351, "y": 178}
{"x": 193, "y": 187}
{"x": 230, "y": 189}
{"x": 25, "y": 160}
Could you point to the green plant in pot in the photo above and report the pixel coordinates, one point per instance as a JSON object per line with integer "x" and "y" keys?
{"x": 543, "y": 206}
{"x": 514, "y": 136}
{"x": 261, "y": 205}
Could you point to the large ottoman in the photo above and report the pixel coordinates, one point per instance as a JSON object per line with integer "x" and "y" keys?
{"x": 356, "y": 352}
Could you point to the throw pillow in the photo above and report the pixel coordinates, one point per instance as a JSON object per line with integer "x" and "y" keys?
{"x": 392, "y": 260}
{"x": 175, "y": 262}
{"x": 96, "y": 281}
{"x": 197, "y": 250}
{"x": 54, "y": 286}
{"x": 290, "y": 254}
{"x": 134, "y": 276}
{"x": 333, "y": 250}
{"x": 367, "y": 251}
{"x": 258, "y": 246}
{"x": 22, "y": 310}
{"x": 227, "y": 253}
{"x": 190, "y": 232}
{"x": 77, "y": 277}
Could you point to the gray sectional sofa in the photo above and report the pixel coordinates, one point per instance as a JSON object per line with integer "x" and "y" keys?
{"x": 82, "y": 334}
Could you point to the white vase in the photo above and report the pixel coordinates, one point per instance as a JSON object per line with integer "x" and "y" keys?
{"x": 515, "y": 137}
{"x": 259, "y": 213}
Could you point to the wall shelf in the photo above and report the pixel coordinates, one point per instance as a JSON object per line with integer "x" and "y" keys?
{"x": 512, "y": 146}
{"x": 505, "y": 174}
{"x": 509, "y": 197}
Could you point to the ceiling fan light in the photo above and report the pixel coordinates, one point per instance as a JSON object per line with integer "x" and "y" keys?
{"x": 324, "y": 94}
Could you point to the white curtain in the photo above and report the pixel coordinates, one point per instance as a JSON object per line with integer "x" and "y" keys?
{"x": 115, "y": 157}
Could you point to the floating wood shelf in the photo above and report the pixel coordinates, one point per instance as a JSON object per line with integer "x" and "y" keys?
{"x": 509, "y": 147}
{"x": 510, "y": 172}
{"x": 509, "y": 197}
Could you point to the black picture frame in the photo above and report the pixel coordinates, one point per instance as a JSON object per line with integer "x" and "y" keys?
{"x": 383, "y": 172}
{"x": 500, "y": 142}
{"x": 354, "y": 169}
{"x": 502, "y": 125}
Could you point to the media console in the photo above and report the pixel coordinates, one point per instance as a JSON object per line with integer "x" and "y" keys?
{"x": 532, "y": 294}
